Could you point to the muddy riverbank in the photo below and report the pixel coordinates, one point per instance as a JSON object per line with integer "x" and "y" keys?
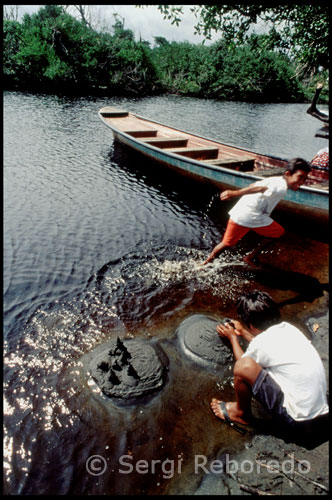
{"x": 271, "y": 465}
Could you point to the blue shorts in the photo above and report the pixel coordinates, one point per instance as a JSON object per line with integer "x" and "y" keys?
{"x": 310, "y": 433}
{"x": 271, "y": 397}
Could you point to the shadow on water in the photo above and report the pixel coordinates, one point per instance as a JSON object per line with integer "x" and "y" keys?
{"x": 307, "y": 287}
{"x": 308, "y": 226}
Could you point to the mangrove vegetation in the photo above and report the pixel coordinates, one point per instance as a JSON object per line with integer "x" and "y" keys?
{"x": 53, "y": 51}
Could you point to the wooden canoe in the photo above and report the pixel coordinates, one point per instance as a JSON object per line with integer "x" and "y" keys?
{"x": 224, "y": 165}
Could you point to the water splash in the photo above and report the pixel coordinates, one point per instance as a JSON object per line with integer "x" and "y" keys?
{"x": 187, "y": 266}
{"x": 206, "y": 223}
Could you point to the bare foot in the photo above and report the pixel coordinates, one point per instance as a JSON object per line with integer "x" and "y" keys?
{"x": 233, "y": 412}
{"x": 207, "y": 261}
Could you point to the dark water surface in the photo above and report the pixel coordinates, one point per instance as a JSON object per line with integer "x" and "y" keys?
{"x": 99, "y": 243}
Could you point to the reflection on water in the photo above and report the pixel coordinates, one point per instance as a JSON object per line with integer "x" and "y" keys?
{"x": 55, "y": 399}
{"x": 98, "y": 244}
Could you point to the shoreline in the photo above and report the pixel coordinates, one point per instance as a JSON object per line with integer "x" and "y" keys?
{"x": 103, "y": 92}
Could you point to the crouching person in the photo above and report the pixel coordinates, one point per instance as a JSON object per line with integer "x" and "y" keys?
{"x": 280, "y": 368}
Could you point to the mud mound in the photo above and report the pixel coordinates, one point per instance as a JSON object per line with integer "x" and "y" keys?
{"x": 129, "y": 369}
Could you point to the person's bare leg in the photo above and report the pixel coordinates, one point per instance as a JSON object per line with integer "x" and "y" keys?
{"x": 246, "y": 371}
{"x": 265, "y": 243}
{"x": 216, "y": 251}
{"x": 260, "y": 247}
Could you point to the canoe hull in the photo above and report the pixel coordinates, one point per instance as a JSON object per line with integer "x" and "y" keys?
{"x": 307, "y": 202}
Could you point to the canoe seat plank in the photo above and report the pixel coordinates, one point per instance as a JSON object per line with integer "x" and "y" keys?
{"x": 242, "y": 163}
{"x": 270, "y": 172}
{"x": 109, "y": 112}
{"x": 166, "y": 142}
{"x": 196, "y": 153}
{"x": 148, "y": 132}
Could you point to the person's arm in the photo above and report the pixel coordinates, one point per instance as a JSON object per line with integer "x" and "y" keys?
{"x": 313, "y": 111}
{"x": 252, "y": 189}
{"x": 232, "y": 333}
{"x": 227, "y": 195}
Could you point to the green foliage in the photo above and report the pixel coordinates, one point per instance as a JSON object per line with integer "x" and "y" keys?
{"x": 183, "y": 68}
{"x": 121, "y": 33}
{"x": 252, "y": 72}
{"x": 12, "y": 34}
{"x": 53, "y": 51}
{"x": 303, "y": 28}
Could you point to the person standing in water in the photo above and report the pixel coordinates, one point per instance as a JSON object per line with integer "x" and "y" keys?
{"x": 252, "y": 211}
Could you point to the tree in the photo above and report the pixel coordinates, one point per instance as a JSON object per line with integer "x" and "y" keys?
{"x": 10, "y": 12}
{"x": 84, "y": 13}
{"x": 120, "y": 32}
{"x": 253, "y": 72}
{"x": 160, "y": 40}
{"x": 54, "y": 50}
{"x": 182, "y": 67}
{"x": 12, "y": 36}
{"x": 303, "y": 28}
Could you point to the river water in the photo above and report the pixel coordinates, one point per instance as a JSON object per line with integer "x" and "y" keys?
{"x": 100, "y": 243}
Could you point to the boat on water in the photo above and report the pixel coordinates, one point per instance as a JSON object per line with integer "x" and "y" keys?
{"x": 223, "y": 165}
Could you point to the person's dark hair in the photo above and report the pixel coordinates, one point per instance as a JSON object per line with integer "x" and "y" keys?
{"x": 298, "y": 164}
{"x": 258, "y": 309}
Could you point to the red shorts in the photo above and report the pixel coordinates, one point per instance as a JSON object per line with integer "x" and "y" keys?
{"x": 234, "y": 232}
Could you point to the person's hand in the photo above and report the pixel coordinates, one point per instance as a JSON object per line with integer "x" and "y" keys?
{"x": 235, "y": 328}
{"x": 241, "y": 331}
{"x": 238, "y": 328}
{"x": 227, "y": 330}
{"x": 225, "y": 195}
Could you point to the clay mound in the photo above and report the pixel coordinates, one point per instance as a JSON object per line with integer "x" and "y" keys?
{"x": 200, "y": 342}
{"x": 129, "y": 369}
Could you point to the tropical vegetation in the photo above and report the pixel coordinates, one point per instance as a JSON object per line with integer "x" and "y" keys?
{"x": 54, "y": 51}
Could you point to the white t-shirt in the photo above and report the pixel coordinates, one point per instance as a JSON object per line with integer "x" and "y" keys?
{"x": 293, "y": 362}
{"x": 253, "y": 210}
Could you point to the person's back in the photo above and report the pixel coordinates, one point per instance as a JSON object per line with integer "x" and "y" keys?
{"x": 281, "y": 369}
{"x": 293, "y": 362}
{"x": 253, "y": 210}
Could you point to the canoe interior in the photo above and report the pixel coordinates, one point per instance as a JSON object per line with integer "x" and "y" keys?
{"x": 192, "y": 146}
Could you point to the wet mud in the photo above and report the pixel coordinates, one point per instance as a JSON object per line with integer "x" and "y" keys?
{"x": 201, "y": 368}
{"x": 199, "y": 341}
{"x": 129, "y": 369}
{"x": 271, "y": 463}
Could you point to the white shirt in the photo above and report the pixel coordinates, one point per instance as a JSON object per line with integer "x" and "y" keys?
{"x": 293, "y": 362}
{"x": 253, "y": 210}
